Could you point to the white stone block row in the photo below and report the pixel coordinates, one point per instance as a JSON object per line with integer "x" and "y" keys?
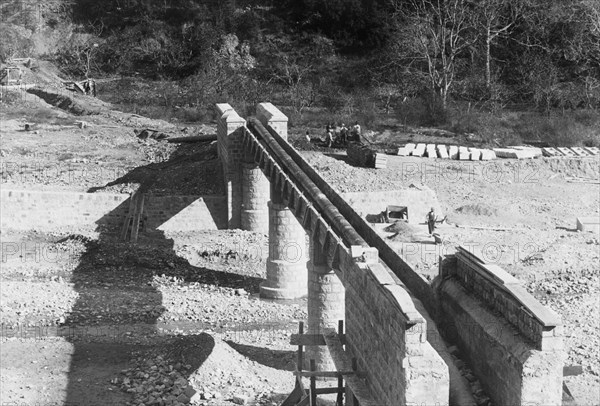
{"x": 579, "y": 151}
{"x": 592, "y": 150}
{"x": 455, "y": 152}
{"x": 566, "y": 152}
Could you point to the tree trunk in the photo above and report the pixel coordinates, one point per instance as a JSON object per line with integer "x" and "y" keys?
{"x": 488, "y": 62}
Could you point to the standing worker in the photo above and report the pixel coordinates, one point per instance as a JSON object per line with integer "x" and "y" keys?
{"x": 329, "y": 138}
{"x": 431, "y": 217}
{"x": 356, "y": 131}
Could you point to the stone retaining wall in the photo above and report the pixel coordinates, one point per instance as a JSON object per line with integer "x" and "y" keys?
{"x": 47, "y": 211}
{"x": 512, "y": 342}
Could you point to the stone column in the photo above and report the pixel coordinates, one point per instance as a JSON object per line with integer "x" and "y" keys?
{"x": 326, "y": 304}
{"x": 286, "y": 265}
{"x": 256, "y": 194}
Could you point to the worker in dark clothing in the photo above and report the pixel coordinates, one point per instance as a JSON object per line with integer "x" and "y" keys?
{"x": 431, "y": 217}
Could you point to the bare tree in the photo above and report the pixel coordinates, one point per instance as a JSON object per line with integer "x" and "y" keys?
{"x": 435, "y": 32}
{"x": 496, "y": 18}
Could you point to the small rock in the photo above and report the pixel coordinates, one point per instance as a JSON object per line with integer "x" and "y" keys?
{"x": 196, "y": 398}
{"x": 189, "y": 391}
{"x": 240, "y": 292}
{"x": 240, "y": 399}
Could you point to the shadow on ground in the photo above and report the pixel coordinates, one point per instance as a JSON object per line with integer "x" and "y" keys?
{"x": 117, "y": 294}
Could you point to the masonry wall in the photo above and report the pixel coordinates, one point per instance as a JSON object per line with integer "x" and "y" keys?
{"x": 388, "y": 337}
{"x": 46, "y": 211}
{"x": 418, "y": 201}
{"x": 501, "y": 331}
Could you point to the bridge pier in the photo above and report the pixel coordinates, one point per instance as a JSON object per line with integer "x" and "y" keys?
{"x": 255, "y": 197}
{"x": 326, "y": 306}
{"x": 286, "y": 265}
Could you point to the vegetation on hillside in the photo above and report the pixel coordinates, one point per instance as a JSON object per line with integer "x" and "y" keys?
{"x": 415, "y": 59}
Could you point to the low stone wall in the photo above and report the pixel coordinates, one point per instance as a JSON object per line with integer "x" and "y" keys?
{"x": 41, "y": 210}
{"x": 388, "y": 336}
{"x": 511, "y": 341}
{"x": 48, "y": 211}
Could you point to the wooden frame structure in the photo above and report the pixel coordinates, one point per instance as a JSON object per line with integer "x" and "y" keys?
{"x": 346, "y": 369}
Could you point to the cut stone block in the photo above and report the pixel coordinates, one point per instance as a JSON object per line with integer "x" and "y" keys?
{"x": 513, "y": 153}
{"x": 533, "y": 151}
{"x": 566, "y": 152}
{"x": 419, "y": 150}
{"x": 579, "y": 151}
{"x": 442, "y": 151}
{"x": 453, "y": 152}
{"x": 402, "y": 151}
{"x": 431, "y": 153}
{"x": 464, "y": 154}
{"x": 475, "y": 154}
{"x": 487, "y": 155}
{"x": 551, "y": 152}
{"x": 590, "y": 224}
{"x": 406, "y": 150}
{"x": 592, "y": 150}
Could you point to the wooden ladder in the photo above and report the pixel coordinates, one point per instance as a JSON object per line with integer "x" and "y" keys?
{"x": 345, "y": 369}
{"x": 131, "y": 226}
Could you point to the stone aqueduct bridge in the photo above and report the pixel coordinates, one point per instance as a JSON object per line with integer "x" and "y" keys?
{"x": 512, "y": 342}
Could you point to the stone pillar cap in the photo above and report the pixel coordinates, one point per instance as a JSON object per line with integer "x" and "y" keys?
{"x": 270, "y": 112}
{"x": 228, "y": 113}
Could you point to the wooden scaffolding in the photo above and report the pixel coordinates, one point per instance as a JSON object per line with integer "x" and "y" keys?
{"x": 346, "y": 370}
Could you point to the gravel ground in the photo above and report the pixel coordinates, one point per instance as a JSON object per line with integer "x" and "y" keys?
{"x": 117, "y": 323}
